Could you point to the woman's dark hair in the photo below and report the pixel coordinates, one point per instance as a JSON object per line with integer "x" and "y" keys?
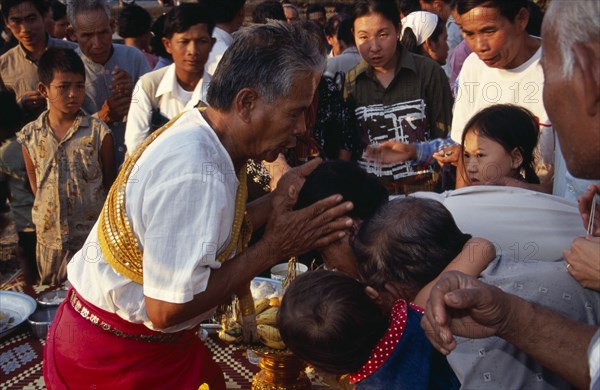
{"x": 512, "y": 127}
{"x": 410, "y": 241}
{"x": 409, "y": 40}
{"x": 387, "y": 9}
{"x": 365, "y": 192}
{"x": 508, "y": 8}
{"x": 179, "y": 19}
{"x": 327, "y": 320}
{"x": 58, "y": 59}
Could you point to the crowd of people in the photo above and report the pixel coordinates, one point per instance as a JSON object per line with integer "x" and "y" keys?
{"x": 436, "y": 154}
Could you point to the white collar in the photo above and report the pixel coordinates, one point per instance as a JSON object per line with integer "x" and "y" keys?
{"x": 168, "y": 84}
{"x": 221, "y": 35}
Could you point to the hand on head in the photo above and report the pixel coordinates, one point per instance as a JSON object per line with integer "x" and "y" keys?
{"x": 293, "y": 232}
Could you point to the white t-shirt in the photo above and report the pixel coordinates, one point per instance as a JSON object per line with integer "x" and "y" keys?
{"x": 480, "y": 86}
{"x": 180, "y": 203}
{"x": 522, "y": 224}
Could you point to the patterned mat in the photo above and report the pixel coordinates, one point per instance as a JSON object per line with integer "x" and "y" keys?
{"x": 21, "y": 357}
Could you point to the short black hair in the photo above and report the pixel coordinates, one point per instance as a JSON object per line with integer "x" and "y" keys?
{"x": 365, "y": 191}
{"x": 508, "y": 8}
{"x": 59, "y": 10}
{"x": 269, "y": 9}
{"x": 179, "y": 19}
{"x": 58, "y": 59}
{"x": 134, "y": 21}
{"x": 409, "y": 241}
{"x": 327, "y": 320}
{"x": 225, "y": 11}
{"x": 40, "y": 5}
{"x": 315, "y": 8}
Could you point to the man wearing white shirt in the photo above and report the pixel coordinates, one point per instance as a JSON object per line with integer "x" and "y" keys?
{"x": 229, "y": 17}
{"x": 161, "y": 95}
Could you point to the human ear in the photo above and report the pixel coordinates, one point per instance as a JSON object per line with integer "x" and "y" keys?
{"x": 587, "y": 60}
{"x": 43, "y": 90}
{"x": 167, "y": 44}
{"x": 517, "y": 158}
{"x": 245, "y": 102}
{"x": 522, "y": 18}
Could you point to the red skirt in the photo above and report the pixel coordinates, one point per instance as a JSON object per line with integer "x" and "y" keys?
{"x": 81, "y": 354}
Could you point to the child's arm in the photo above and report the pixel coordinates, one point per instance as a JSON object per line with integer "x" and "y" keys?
{"x": 107, "y": 161}
{"x": 475, "y": 256}
{"x": 30, "y": 168}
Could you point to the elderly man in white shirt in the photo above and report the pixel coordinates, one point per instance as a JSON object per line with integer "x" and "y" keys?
{"x": 163, "y": 94}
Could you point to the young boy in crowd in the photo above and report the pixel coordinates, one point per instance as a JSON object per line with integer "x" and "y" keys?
{"x": 70, "y": 165}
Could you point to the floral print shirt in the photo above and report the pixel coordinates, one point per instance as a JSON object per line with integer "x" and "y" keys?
{"x": 70, "y": 191}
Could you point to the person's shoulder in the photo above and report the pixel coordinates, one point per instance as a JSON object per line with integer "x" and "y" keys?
{"x": 8, "y": 56}
{"x": 30, "y": 128}
{"x": 94, "y": 121}
{"x": 154, "y": 76}
{"x": 128, "y": 54}
{"x": 63, "y": 43}
{"x": 356, "y": 73}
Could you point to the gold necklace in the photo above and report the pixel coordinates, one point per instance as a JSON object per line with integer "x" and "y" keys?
{"x": 118, "y": 243}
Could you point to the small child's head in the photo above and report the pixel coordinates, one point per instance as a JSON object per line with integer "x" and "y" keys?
{"x": 408, "y": 241}
{"x": 499, "y": 141}
{"x": 327, "y": 320}
{"x": 62, "y": 79}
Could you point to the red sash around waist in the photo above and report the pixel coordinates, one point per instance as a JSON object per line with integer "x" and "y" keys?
{"x": 88, "y": 347}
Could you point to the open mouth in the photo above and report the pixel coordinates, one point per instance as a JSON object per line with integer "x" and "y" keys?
{"x": 492, "y": 60}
